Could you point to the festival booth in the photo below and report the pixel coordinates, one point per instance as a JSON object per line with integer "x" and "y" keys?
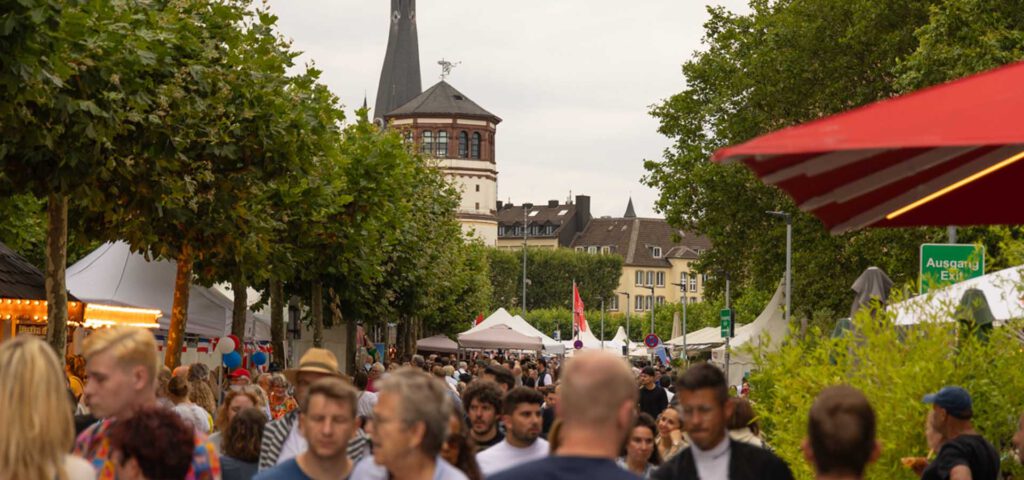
{"x": 500, "y": 337}
{"x": 519, "y": 325}
{"x": 437, "y": 343}
{"x": 591, "y": 342}
{"x": 23, "y": 307}
{"x": 768, "y": 329}
{"x": 1003, "y": 290}
{"x": 112, "y": 274}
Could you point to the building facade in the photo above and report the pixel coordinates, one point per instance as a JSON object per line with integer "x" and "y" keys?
{"x": 552, "y": 225}
{"x": 658, "y": 260}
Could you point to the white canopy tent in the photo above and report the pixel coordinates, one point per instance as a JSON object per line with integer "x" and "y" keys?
{"x": 1003, "y": 289}
{"x": 437, "y": 343}
{"x": 500, "y": 336}
{"x": 519, "y": 324}
{"x": 113, "y": 275}
{"x": 591, "y": 342}
{"x": 768, "y": 329}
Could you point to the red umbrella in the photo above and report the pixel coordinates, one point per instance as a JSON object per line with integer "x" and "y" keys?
{"x": 945, "y": 155}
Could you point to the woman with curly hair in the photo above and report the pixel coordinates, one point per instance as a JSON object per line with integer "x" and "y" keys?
{"x": 200, "y": 391}
{"x": 234, "y": 402}
{"x": 178, "y": 389}
{"x": 241, "y": 445}
{"x": 36, "y": 414}
{"x": 155, "y": 444}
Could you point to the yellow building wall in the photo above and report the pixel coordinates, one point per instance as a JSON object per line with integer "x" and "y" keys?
{"x": 672, "y": 294}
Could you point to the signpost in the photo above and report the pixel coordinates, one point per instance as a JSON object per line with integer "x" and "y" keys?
{"x": 652, "y": 341}
{"x": 728, "y": 323}
{"x": 944, "y": 264}
{"x": 578, "y": 344}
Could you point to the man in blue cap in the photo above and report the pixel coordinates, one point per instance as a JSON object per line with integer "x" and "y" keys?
{"x": 964, "y": 454}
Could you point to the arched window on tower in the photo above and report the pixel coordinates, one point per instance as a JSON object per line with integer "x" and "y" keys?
{"x": 442, "y": 144}
{"x": 474, "y": 149}
{"x": 463, "y": 144}
{"x": 427, "y": 142}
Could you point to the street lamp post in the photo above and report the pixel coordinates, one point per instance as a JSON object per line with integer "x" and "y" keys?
{"x": 653, "y": 304}
{"x": 789, "y": 266}
{"x": 602, "y": 324}
{"x": 727, "y": 337}
{"x": 682, "y": 288}
{"x": 526, "y": 211}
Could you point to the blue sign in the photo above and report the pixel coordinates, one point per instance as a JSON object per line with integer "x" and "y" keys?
{"x": 652, "y": 341}
{"x": 578, "y": 344}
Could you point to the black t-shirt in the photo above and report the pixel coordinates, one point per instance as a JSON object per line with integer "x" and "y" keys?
{"x": 971, "y": 450}
{"x": 654, "y": 401}
{"x": 498, "y": 437}
{"x": 567, "y": 468}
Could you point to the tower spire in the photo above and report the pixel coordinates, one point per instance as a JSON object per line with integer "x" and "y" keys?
{"x": 630, "y": 213}
{"x": 400, "y": 75}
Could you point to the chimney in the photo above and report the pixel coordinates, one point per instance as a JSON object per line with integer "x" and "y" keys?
{"x": 552, "y": 203}
{"x": 582, "y": 212}
{"x": 499, "y": 204}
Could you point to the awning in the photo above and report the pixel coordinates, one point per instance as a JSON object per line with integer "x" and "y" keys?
{"x": 437, "y": 343}
{"x": 500, "y": 336}
{"x": 945, "y": 155}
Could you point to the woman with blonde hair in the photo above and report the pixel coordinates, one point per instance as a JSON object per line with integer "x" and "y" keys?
{"x": 36, "y": 415}
{"x": 234, "y": 402}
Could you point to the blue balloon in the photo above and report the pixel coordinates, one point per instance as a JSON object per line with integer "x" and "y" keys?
{"x": 232, "y": 360}
{"x": 259, "y": 358}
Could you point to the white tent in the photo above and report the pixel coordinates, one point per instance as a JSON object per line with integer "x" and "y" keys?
{"x": 1004, "y": 291}
{"x": 500, "y": 336}
{"x": 519, "y": 324}
{"x": 591, "y": 342}
{"x": 113, "y": 275}
{"x": 437, "y": 343}
{"x": 768, "y": 329}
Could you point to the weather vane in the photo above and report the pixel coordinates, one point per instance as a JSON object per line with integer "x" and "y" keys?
{"x": 446, "y": 67}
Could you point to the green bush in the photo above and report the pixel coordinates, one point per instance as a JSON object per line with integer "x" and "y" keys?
{"x": 894, "y": 367}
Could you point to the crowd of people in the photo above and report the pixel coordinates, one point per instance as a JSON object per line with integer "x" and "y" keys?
{"x": 500, "y": 417}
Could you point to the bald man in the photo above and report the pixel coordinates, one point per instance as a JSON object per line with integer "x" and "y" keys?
{"x": 597, "y": 407}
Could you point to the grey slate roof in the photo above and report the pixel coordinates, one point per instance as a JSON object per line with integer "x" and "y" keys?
{"x": 443, "y": 99}
{"x": 545, "y": 215}
{"x": 400, "y": 75}
{"x": 632, "y": 238}
{"x": 20, "y": 279}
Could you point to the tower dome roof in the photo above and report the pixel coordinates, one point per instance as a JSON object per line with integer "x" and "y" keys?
{"x": 443, "y": 99}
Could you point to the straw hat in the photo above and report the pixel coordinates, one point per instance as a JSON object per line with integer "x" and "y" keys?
{"x": 315, "y": 360}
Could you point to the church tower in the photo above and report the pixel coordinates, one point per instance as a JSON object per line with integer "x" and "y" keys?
{"x": 400, "y": 76}
{"x": 442, "y": 123}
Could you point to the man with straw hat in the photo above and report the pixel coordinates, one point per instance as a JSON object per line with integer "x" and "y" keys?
{"x": 282, "y": 440}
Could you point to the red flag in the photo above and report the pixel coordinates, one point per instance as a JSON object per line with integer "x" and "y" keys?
{"x": 479, "y": 319}
{"x": 577, "y": 309}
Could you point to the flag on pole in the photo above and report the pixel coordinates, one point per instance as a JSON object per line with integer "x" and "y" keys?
{"x": 579, "y": 320}
{"x": 479, "y": 319}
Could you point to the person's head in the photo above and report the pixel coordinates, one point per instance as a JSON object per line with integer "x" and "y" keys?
{"x": 646, "y": 377}
{"x": 240, "y": 377}
{"x": 153, "y": 444}
{"x": 669, "y": 421}
{"x": 243, "y": 435}
{"x": 163, "y": 377}
{"x": 177, "y": 389}
{"x": 550, "y": 396}
{"x": 327, "y": 418}
{"x": 278, "y": 387}
{"x": 121, "y": 364}
{"x": 841, "y": 432}
{"x": 482, "y": 401}
{"x": 438, "y": 372}
{"x": 598, "y": 395}
{"x": 198, "y": 372}
{"x": 951, "y": 411}
{"x": 458, "y": 449}
{"x": 639, "y": 444}
{"x": 235, "y": 401}
{"x": 36, "y": 412}
{"x": 463, "y": 366}
{"x": 542, "y": 365}
{"x": 449, "y": 370}
{"x": 705, "y": 404}
{"x": 743, "y": 416}
{"x": 361, "y": 380}
{"x": 263, "y": 380}
{"x": 410, "y": 418}
{"x": 418, "y": 361}
{"x": 377, "y": 370}
{"x": 315, "y": 364}
{"x": 521, "y": 416}
{"x": 500, "y": 375}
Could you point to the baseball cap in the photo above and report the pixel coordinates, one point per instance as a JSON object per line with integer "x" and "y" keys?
{"x": 953, "y": 399}
{"x": 240, "y": 372}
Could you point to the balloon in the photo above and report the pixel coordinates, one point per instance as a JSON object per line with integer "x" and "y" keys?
{"x": 232, "y": 360}
{"x": 238, "y": 343}
{"x": 259, "y": 358}
{"x": 225, "y": 345}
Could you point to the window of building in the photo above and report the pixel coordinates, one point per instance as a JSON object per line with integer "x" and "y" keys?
{"x": 591, "y": 249}
{"x": 639, "y": 277}
{"x": 638, "y": 304}
{"x": 478, "y": 205}
{"x": 550, "y": 229}
{"x": 693, "y": 283}
{"x": 682, "y": 281}
{"x": 563, "y": 212}
{"x": 613, "y": 303}
{"x": 463, "y": 144}
{"x": 605, "y": 250}
{"x": 579, "y": 249}
{"x": 660, "y": 300}
{"x": 478, "y": 187}
{"x": 408, "y": 136}
{"x": 534, "y": 213}
{"x": 660, "y": 279}
{"x": 656, "y": 252}
{"x": 649, "y": 302}
{"x": 501, "y": 231}
{"x": 442, "y": 144}
{"x": 427, "y": 142}
{"x": 650, "y": 278}
{"x": 693, "y": 299}
{"x": 703, "y": 279}
{"x": 474, "y": 146}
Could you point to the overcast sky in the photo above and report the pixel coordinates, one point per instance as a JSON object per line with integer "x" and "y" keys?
{"x": 572, "y": 80}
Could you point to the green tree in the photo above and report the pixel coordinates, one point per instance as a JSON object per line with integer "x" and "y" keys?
{"x": 551, "y": 273}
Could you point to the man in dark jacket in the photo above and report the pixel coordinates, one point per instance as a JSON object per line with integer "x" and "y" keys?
{"x": 706, "y": 407}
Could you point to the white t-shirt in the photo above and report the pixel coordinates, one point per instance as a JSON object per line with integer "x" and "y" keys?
{"x": 365, "y": 404}
{"x": 195, "y": 415}
{"x": 504, "y": 456}
{"x": 293, "y": 445}
{"x": 713, "y": 464}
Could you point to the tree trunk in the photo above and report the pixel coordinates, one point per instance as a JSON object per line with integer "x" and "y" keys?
{"x": 56, "y": 264}
{"x": 277, "y": 321}
{"x": 239, "y": 309}
{"x": 179, "y": 308}
{"x": 317, "y": 305}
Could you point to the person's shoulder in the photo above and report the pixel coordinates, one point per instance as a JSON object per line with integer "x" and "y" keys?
{"x": 367, "y": 469}
{"x": 78, "y": 468}
{"x": 282, "y": 471}
{"x": 566, "y": 467}
{"x": 767, "y": 462}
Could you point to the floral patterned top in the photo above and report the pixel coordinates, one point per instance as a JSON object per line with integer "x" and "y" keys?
{"x": 281, "y": 408}
{"x": 94, "y": 446}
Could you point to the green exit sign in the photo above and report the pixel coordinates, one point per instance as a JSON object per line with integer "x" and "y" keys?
{"x": 944, "y": 264}
{"x": 727, "y": 321}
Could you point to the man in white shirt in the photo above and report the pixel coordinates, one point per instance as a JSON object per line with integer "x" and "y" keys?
{"x": 522, "y": 419}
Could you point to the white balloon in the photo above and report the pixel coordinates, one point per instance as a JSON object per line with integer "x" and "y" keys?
{"x": 225, "y": 345}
